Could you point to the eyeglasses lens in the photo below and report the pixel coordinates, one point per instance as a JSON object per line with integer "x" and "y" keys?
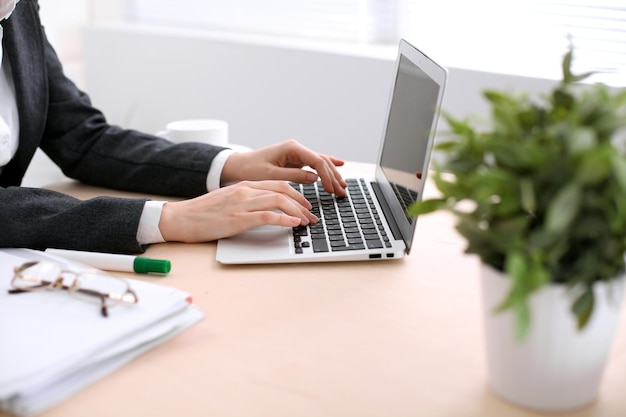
{"x": 92, "y": 286}
{"x": 41, "y": 275}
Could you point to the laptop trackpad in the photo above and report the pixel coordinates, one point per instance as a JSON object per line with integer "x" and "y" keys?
{"x": 258, "y": 245}
{"x": 268, "y": 234}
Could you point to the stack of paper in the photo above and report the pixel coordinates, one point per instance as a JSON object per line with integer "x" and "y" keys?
{"x": 52, "y": 345}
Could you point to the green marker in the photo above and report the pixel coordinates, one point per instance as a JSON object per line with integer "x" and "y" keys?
{"x": 115, "y": 262}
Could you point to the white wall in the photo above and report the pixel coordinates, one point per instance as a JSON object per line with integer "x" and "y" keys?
{"x": 143, "y": 78}
{"x": 331, "y": 98}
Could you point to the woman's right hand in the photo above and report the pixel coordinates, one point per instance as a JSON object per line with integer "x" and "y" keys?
{"x": 234, "y": 209}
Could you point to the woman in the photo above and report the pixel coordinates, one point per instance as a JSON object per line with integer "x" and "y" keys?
{"x": 40, "y": 107}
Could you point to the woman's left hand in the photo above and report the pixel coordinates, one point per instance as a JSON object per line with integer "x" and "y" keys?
{"x": 284, "y": 161}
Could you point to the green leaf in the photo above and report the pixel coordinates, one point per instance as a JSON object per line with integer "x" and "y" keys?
{"x": 462, "y": 165}
{"x": 445, "y": 146}
{"x": 583, "y": 307}
{"x": 427, "y": 206}
{"x": 595, "y": 165}
{"x": 619, "y": 169}
{"x": 562, "y": 100}
{"x": 447, "y": 186}
{"x": 568, "y": 77}
{"x": 581, "y": 140}
{"x": 516, "y": 267}
{"x": 567, "y": 65}
{"x": 538, "y": 275}
{"x": 564, "y": 208}
{"x": 522, "y": 321}
{"x": 527, "y": 194}
{"x": 460, "y": 127}
{"x": 497, "y": 97}
{"x": 510, "y": 228}
{"x": 580, "y": 77}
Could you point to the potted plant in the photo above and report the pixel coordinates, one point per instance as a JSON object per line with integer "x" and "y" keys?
{"x": 539, "y": 194}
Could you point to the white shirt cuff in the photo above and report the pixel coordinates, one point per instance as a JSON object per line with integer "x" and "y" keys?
{"x": 148, "y": 231}
{"x": 213, "y": 180}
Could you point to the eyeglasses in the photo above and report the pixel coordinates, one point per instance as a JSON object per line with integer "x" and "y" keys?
{"x": 88, "y": 285}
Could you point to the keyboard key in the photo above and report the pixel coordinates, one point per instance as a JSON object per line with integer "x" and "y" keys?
{"x": 319, "y": 245}
{"x": 300, "y": 231}
{"x": 374, "y": 244}
{"x": 350, "y": 247}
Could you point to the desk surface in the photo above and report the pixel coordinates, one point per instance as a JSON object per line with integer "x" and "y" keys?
{"x": 390, "y": 338}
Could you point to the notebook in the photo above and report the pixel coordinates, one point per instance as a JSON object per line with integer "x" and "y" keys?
{"x": 371, "y": 223}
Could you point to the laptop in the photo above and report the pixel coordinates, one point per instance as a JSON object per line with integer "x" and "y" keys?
{"x": 371, "y": 222}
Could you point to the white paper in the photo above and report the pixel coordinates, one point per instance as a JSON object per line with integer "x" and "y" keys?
{"x": 52, "y": 345}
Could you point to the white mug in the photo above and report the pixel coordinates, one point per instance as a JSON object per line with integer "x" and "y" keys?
{"x": 211, "y": 131}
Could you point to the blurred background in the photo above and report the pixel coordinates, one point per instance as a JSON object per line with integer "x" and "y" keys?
{"x": 315, "y": 70}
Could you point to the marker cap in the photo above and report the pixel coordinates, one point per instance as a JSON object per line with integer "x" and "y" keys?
{"x": 146, "y": 265}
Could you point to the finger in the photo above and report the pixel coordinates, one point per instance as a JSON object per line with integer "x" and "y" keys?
{"x": 300, "y": 155}
{"x": 325, "y": 166}
{"x": 332, "y": 181}
{"x": 277, "y": 201}
{"x": 298, "y": 175}
{"x": 279, "y": 187}
{"x": 272, "y": 218}
{"x": 336, "y": 161}
{"x": 275, "y": 193}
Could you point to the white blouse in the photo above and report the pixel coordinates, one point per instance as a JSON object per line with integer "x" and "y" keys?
{"x": 9, "y": 118}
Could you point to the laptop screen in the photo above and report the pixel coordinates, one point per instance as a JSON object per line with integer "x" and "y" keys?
{"x": 409, "y": 133}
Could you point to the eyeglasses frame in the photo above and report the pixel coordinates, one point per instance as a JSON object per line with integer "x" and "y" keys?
{"x": 128, "y": 297}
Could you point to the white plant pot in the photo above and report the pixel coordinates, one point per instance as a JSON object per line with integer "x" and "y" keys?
{"x": 557, "y": 367}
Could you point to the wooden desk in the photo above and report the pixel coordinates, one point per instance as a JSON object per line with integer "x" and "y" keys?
{"x": 394, "y": 338}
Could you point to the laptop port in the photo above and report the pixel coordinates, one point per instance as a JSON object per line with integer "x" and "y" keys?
{"x": 376, "y": 256}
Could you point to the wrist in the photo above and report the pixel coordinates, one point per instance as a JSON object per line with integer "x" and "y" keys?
{"x": 214, "y": 177}
{"x": 148, "y": 230}
{"x": 167, "y": 222}
{"x": 231, "y": 170}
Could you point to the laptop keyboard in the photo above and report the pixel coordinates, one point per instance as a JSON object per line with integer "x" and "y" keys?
{"x": 346, "y": 223}
{"x": 406, "y": 197}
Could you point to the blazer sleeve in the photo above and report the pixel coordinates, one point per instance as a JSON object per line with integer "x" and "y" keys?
{"x": 38, "y": 219}
{"x": 81, "y": 142}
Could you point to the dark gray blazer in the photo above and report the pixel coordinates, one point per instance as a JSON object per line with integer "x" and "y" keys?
{"x": 58, "y": 118}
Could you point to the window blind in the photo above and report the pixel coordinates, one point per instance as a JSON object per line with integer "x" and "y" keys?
{"x": 524, "y": 33}
{"x": 538, "y": 29}
{"x": 351, "y": 20}
{"x": 597, "y": 28}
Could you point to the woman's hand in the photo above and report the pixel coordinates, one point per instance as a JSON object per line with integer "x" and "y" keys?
{"x": 284, "y": 161}
{"x": 234, "y": 209}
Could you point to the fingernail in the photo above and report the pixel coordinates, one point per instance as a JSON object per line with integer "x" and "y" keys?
{"x": 311, "y": 177}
